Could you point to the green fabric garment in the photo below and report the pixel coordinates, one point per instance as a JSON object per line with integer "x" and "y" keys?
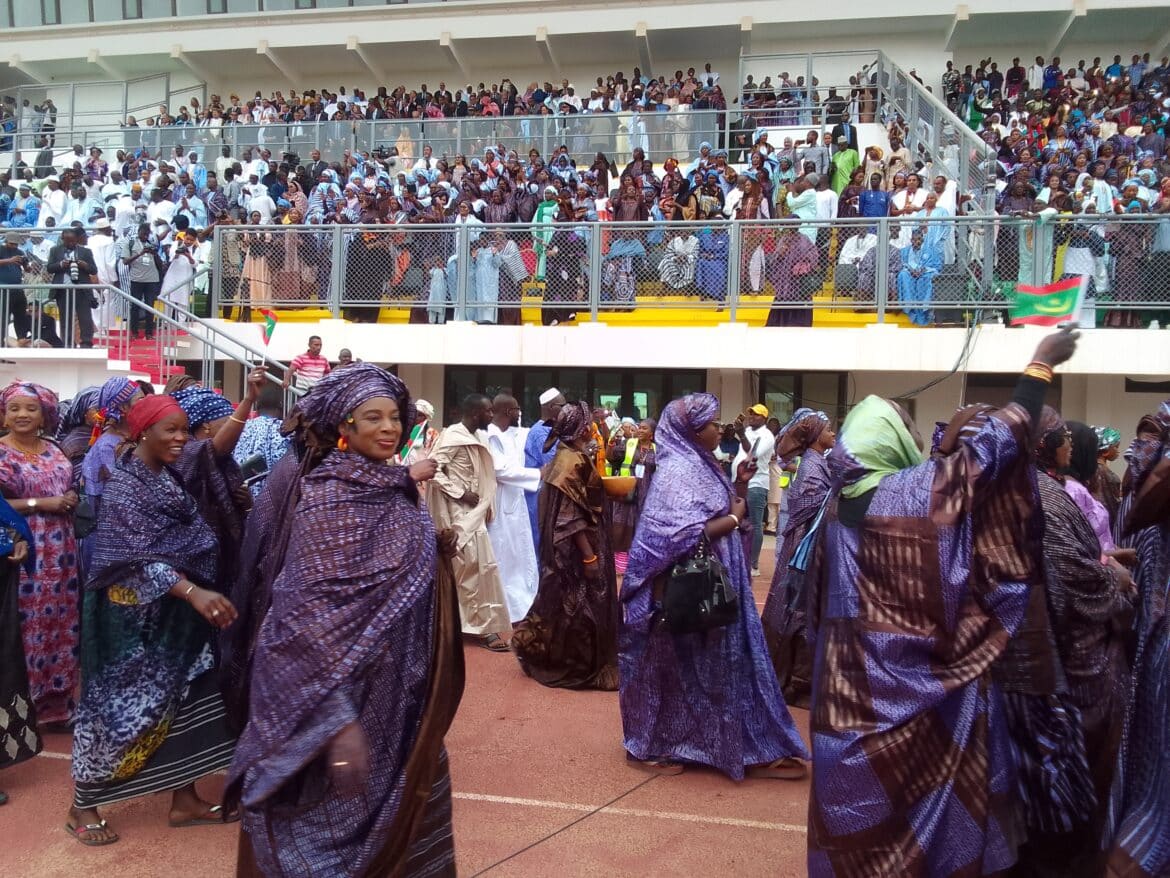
{"x": 845, "y": 162}
{"x": 875, "y": 436}
{"x": 542, "y": 231}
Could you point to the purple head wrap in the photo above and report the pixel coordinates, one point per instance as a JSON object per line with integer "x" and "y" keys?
{"x": 50, "y": 417}
{"x": 571, "y": 424}
{"x": 74, "y": 414}
{"x": 802, "y": 430}
{"x": 1053, "y": 433}
{"x": 115, "y": 393}
{"x": 1147, "y": 448}
{"x": 331, "y": 400}
{"x": 689, "y": 488}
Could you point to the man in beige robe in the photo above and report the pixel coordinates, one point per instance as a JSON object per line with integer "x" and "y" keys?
{"x": 460, "y": 497}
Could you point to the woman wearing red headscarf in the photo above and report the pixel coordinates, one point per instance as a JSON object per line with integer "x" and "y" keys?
{"x": 151, "y": 717}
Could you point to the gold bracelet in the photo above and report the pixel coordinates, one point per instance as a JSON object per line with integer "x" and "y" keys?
{"x": 592, "y": 560}
{"x": 1043, "y": 367}
{"x": 1031, "y": 372}
{"x": 187, "y": 593}
{"x": 238, "y": 420}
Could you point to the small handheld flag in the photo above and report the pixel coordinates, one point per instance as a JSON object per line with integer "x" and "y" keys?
{"x": 1049, "y": 305}
{"x": 269, "y": 325}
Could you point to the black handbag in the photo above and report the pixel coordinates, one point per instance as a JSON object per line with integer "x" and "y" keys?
{"x": 698, "y": 594}
{"x": 84, "y": 518}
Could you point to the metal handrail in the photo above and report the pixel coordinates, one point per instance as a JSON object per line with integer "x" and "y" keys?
{"x": 972, "y": 280}
{"x": 162, "y": 317}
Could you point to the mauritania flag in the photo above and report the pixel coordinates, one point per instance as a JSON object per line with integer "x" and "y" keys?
{"x": 269, "y": 324}
{"x": 1049, "y": 305}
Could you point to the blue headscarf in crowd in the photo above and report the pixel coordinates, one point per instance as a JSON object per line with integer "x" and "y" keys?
{"x": 202, "y": 405}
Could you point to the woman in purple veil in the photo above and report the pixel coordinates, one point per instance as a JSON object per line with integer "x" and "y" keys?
{"x": 355, "y": 670}
{"x": 709, "y": 698}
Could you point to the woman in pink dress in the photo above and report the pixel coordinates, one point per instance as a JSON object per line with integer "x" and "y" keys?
{"x": 35, "y": 478}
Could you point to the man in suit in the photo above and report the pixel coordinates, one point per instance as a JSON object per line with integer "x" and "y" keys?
{"x": 316, "y": 165}
{"x": 845, "y": 128}
{"x": 69, "y": 262}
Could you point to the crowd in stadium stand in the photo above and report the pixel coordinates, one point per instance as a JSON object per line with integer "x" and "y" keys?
{"x": 1082, "y": 144}
{"x": 1085, "y": 141}
{"x": 610, "y": 94}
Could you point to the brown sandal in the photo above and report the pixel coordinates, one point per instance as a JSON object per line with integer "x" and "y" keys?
{"x": 493, "y": 643}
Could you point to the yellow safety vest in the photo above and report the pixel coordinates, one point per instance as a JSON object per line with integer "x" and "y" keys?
{"x": 627, "y": 467}
{"x": 786, "y": 477}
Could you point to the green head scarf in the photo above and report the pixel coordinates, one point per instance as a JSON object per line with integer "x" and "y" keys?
{"x": 879, "y": 444}
{"x": 1107, "y": 437}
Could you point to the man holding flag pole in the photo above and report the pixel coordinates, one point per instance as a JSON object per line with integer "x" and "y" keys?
{"x": 307, "y": 368}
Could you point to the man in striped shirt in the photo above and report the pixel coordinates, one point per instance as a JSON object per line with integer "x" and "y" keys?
{"x": 308, "y": 368}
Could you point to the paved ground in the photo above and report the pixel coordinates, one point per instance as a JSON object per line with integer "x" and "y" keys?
{"x": 526, "y": 762}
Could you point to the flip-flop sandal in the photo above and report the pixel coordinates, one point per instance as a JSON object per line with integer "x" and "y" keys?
{"x": 660, "y": 767}
{"x": 79, "y": 833}
{"x": 3, "y": 798}
{"x": 219, "y": 819}
{"x": 786, "y": 768}
{"x": 494, "y": 643}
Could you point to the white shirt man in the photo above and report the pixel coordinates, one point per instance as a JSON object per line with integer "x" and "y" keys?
{"x": 164, "y": 209}
{"x": 116, "y": 187}
{"x": 1036, "y": 75}
{"x": 760, "y": 444}
{"x": 826, "y": 204}
{"x": 257, "y": 168}
{"x": 426, "y": 163}
{"x": 105, "y": 256}
{"x": 855, "y": 248}
{"x": 764, "y": 442}
{"x": 53, "y": 204}
{"x": 222, "y": 163}
{"x": 258, "y": 199}
{"x": 510, "y": 529}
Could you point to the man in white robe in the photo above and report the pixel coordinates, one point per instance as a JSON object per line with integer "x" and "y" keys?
{"x": 510, "y": 530}
{"x": 105, "y": 257}
{"x": 460, "y": 498}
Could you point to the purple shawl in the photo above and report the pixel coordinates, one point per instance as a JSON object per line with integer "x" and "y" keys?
{"x": 144, "y": 519}
{"x": 348, "y": 637}
{"x": 706, "y": 698}
{"x": 215, "y": 482}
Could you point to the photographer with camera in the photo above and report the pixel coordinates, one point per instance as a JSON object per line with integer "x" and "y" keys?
{"x": 70, "y": 263}
{"x": 13, "y": 261}
{"x": 145, "y": 271}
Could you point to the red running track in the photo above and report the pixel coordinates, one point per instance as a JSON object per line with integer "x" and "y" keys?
{"x": 525, "y": 762}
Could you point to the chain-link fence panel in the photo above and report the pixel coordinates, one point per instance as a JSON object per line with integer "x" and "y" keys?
{"x": 785, "y": 266}
{"x": 274, "y": 266}
{"x": 1130, "y": 284}
{"x": 926, "y": 270}
{"x": 400, "y": 268}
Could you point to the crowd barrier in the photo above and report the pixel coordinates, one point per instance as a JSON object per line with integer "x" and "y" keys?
{"x": 774, "y": 272}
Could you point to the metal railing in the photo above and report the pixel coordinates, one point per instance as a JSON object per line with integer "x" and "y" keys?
{"x": 659, "y": 134}
{"x": 936, "y": 135}
{"x": 57, "y": 325}
{"x": 84, "y": 106}
{"x": 777, "y": 272}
